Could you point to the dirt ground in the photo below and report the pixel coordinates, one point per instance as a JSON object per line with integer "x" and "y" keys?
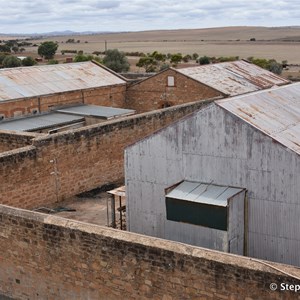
{"x": 90, "y": 209}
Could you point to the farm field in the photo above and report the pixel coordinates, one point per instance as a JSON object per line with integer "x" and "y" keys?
{"x": 282, "y": 43}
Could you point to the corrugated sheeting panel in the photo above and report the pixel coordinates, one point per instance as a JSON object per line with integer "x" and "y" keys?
{"x": 234, "y": 78}
{"x": 275, "y": 112}
{"x": 42, "y": 80}
{"x": 203, "y": 193}
{"x": 39, "y": 122}
{"x": 213, "y": 145}
{"x": 97, "y": 111}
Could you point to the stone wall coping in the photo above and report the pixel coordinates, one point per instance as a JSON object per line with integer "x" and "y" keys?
{"x": 152, "y": 242}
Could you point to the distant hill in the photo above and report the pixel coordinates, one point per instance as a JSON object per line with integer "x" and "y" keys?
{"x": 218, "y": 33}
{"x": 55, "y": 33}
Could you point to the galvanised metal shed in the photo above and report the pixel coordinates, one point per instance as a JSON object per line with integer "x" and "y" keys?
{"x": 250, "y": 141}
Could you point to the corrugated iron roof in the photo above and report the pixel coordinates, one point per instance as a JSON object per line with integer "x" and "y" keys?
{"x": 96, "y": 111}
{"x": 234, "y": 78}
{"x": 39, "y": 122}
{"x": 34, "y": 81}
{"x": 203, "y": 193}
{"x": 275, "y": 112}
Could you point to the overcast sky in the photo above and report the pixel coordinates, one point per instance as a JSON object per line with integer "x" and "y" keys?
{"x": 90, "y": 15}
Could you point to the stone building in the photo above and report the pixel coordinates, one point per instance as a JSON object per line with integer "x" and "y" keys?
{"x": 177, "y": 86}
{"x": 38, "y": 89}
{"x": 46, "y": 256}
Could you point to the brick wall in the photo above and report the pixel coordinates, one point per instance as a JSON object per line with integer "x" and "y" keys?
{"x": 47, "y": 257}
{"x": 10, "y": 140}
{"x": 9, "y": 109}
{"x": 64, "y": 164}
{"x": 153, "y": 93}
{"x": 107, "y": 96}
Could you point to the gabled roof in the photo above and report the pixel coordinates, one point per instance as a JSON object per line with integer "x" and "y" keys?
{"x": 16, "y": 83}
{"x": 275, "y": 112}
{"x": 234, "y": 78}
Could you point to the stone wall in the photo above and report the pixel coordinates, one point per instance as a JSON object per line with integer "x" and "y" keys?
{"x": 154, "y": 92}
{"x": 47, "y": 257}
{"x": 13, "y": 140}
{"x": 64, "y": 164}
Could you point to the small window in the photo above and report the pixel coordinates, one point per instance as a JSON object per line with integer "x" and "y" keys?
{"x": 171, "y": 81}
{"x": 199, "y": 203}
{"x": 194, "y": 213}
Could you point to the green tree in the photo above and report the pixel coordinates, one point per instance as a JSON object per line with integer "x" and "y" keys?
{"x": 15, "y": 49}
{"x": 275, "y": 67}
{"x": 176, "y": 58}
{"x": 147, "y": 62}
{"x": 271, "y": 65}
{"x": 98, "y": 59}
{"x": 82, "y": 57}
{"x": 187, "y": 58}
{"x": 11, "y": 62}
{"x": 158, "y": 56}
{"x": 204, "y": 60}
{"x": 2, "y": 56}
{"x": 152, "y": 61}
{"x": 47, "y": 49}
{"x": 28, "y": 61}
{"x": 5, "y": 48}
{"x": 116, "y": 61}
{"x": 195, "y": 56}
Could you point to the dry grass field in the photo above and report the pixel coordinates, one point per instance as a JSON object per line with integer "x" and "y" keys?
{"x": 282, "y": 43}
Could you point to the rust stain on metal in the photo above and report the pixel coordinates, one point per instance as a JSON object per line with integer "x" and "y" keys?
{"x": 276, "y": 113}
{"x": 234, "y": 78}
{"x": 35, "y": 81}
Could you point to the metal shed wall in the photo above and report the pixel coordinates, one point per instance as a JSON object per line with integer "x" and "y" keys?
{"x": 213, "y": 145}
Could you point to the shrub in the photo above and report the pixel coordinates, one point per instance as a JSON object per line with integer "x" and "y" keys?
{"x": 116, "y": 61}
{"x": 28, "y": 61}
{"x": 204, "y": 60}
{"x": 52, "y": 62}
{"x": 11, "y": 62}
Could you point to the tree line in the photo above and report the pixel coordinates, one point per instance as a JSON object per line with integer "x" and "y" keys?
{"x": 117, "y": 60}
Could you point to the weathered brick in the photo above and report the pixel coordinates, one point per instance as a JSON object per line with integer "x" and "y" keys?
{"x": 64, "y": 269}
{"x": 82, "y": 162}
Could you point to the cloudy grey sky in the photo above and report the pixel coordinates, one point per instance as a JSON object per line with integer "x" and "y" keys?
{"x": 91, "y": 15}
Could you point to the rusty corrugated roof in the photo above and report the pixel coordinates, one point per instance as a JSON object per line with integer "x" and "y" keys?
{"x": 234, "y": 78}
{"x": 276, "y": 112}
{"x": 34, "y": 81}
